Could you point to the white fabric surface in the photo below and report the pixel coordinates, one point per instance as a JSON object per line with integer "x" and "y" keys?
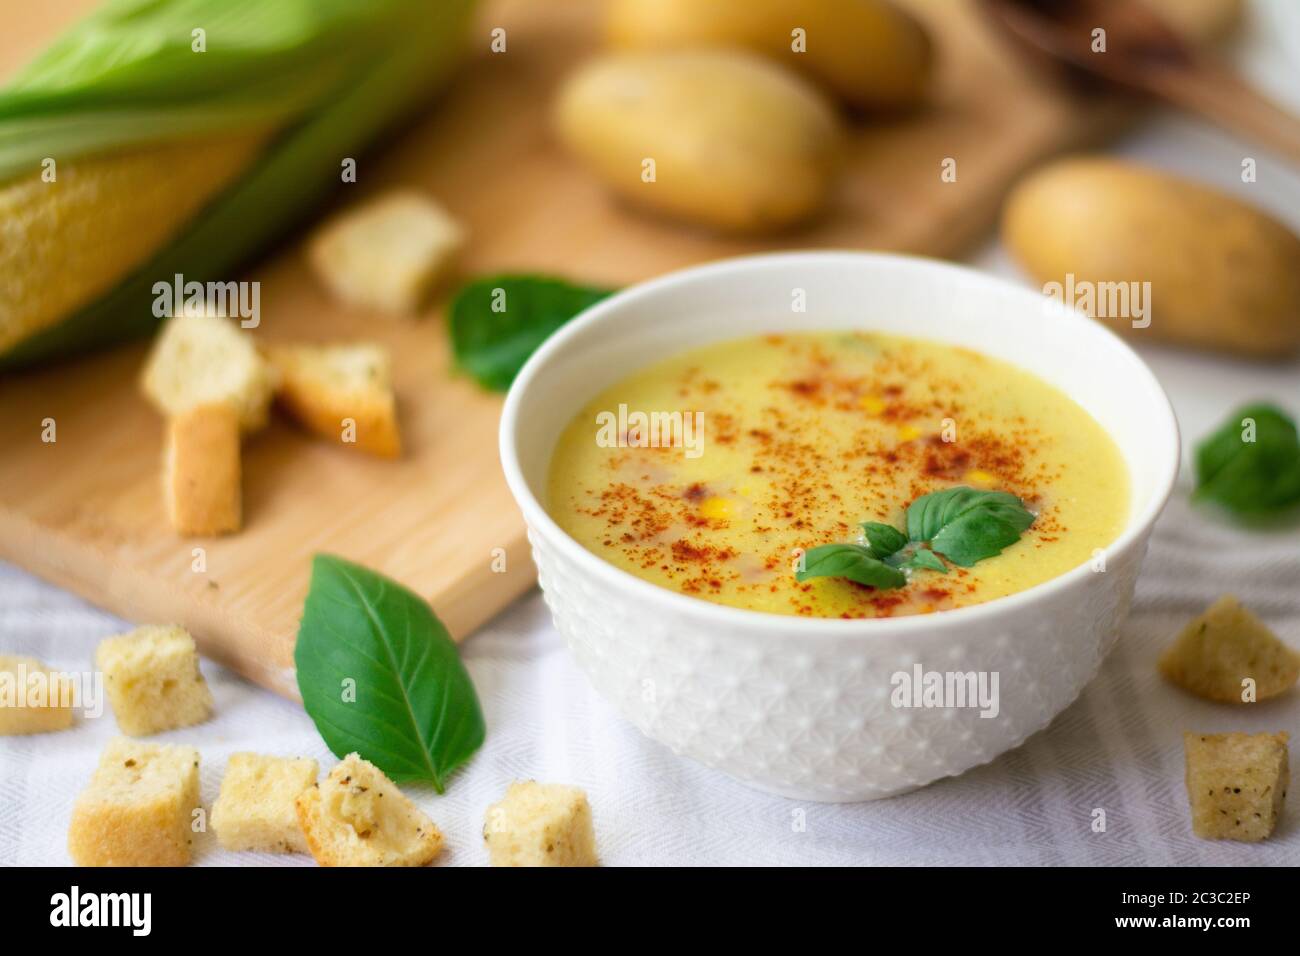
{"x": 1117, "y": 748}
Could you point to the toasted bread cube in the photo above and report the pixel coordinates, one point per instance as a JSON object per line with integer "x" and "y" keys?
{"x": 256, "y": 809}
{"x": 1223, "y": 647}
{"x": 139, "y": 807}
{"x": 33, "y": 698}
{"x": 356, "y": 816}
{"x": 388, "y": 253}
{"x": 343, "y": 392}
{"x": 153, "y": 680}
{"x": 541, "y": 824}
{"x": 201, "y": 470}
{"x": 207, "y": 360}
{"x": 1236, "y": 784}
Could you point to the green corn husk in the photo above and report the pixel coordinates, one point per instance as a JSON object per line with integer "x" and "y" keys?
{"x": 327, "y": 75}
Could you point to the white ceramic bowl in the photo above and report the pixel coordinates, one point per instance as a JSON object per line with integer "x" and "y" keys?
{"x": 802, "y": 707}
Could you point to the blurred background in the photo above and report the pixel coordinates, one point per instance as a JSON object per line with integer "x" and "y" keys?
{"x": 516, "y": 146}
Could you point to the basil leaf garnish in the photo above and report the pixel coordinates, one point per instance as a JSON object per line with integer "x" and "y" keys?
{"x": 1251, "y": 478}
{"x": 884, "y": 539}
{"x": 852, "y": 561}
{"x": 379, "y": 674}
{"x": 966, "y": 525}
{"x": 963, "y": 524}
{"x": 497, "y": 322}
{"x": 925, "y": 558}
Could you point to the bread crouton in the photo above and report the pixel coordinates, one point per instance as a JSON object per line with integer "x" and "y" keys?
{"x": 388, "y": 253}
{"x": 256, "y": 807}
{"x": 1223, "y": 647}
{"x": 541, "y": 824}
{"x": 201, "y": 470}
{"x": 153, "y": 680}
{"x": 356, "y": 816}
{"x": 343, "y": 392}
{"x": 204, "y": 360}
{"x": 33, "y": 699}
{"x": 139, "y": 807}
{"x": 1236, "y": 784}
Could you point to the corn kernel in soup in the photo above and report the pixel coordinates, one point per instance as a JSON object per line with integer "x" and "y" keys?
{"x": 709, "y": 473}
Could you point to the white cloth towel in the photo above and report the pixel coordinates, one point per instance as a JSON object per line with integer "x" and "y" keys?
{"x": 1117, "y": 749}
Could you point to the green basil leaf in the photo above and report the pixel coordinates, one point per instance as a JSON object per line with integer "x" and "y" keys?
{"x": 884, "y": 539}
{"x": 966, "y": 525}
{"x": 1251, "y": 478}
{"x": 852, "y": 561}
{"x": 379, "y": 674}
{"x": 925, "y": 558}
{"x": 498, "y": 322}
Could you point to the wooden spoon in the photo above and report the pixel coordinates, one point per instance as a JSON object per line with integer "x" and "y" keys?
{"x": 1143, "y": 54}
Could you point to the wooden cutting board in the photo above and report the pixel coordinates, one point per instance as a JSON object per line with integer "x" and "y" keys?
{"x": 85, "y": 511}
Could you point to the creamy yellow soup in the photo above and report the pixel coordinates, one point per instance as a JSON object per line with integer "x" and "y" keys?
{"x": 710, "y": 473}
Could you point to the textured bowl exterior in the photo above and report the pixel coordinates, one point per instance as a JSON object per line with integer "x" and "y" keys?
{"x": 812, "y": 719}
{"x": 810, "y": 708}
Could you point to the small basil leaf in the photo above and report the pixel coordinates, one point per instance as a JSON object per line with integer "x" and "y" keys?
{"x": 1251, "y": 478}
{"x": 930, "y": 514}
{"x": 966, "y": 525}
{"x": 974, "y": 537}
{"x": 410, "y": 707}
{"x": 884, "y": 539}
{"x": 925, "y": 558}
{"x": 498, "y": 322}
{"x": 852, "y": 561}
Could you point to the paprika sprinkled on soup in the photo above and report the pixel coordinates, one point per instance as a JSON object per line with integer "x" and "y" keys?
{"x": 726, "y": 473}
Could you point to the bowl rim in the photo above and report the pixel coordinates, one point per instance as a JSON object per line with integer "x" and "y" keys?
{"x": 535, "y": 515}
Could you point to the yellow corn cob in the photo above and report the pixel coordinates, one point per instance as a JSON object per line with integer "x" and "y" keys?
{"x": 65, "y": 243}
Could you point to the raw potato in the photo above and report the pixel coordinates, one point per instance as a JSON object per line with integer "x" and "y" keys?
{"x": 1223, "y": 274}
{"x": 737, "y": 143}
{"x": 868, "y": 53}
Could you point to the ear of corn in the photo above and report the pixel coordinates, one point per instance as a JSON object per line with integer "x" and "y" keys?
{"x": 168, "y": 162}
{"x": 135, "y": 71}
{"x": 70, "y": 241}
